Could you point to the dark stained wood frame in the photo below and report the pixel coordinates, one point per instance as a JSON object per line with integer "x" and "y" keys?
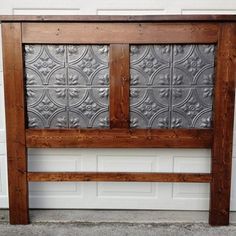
{"x": 119, "y": 32}
{"x": 120, "y": 176}
{"x": 15, "y": 123}
{"x": 115, "y": 33}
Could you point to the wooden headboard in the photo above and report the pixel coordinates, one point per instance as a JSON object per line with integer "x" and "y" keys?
{"x": 124, "y": 82}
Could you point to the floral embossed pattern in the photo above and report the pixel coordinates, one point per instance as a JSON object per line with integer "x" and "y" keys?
{"x": 67, "y": 86}
{"x": 171, "y": 86}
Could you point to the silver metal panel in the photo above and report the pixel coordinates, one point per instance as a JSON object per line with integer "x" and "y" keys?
{"x": 67, "y": 86}
{"x": 171, "y": 86}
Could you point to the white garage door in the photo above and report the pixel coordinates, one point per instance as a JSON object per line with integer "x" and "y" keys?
{"x": 114, "y": 195}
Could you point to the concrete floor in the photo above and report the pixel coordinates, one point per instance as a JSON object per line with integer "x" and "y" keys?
{"x": 105, "y": 222}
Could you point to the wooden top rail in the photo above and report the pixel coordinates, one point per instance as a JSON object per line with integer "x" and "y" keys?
{"x": 108, "y": 18}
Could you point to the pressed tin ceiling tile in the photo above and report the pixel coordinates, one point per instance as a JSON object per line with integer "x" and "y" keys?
{"x": 67, "y": 86}
{"x": 171, "y": 86}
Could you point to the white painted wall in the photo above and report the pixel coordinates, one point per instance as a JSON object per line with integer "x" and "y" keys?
{"x": 114, "y": 195}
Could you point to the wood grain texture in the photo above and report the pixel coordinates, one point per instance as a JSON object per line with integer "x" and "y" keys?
{"x": 119, "y": 177}
{"x": 112, "y": 18}
{"x": 127, "y": 33}
{"x": 15, "y": 123}
{"x": 223, "y": 126}
{"x": 119, "y": 85}
{"x": 119, "y": 138}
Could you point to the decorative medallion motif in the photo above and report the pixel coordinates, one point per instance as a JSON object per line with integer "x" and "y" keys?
{"x": 171, "y": 86}
{"x": 67, "y": 86}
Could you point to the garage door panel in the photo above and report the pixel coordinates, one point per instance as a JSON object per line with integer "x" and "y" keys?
{"x": 192, "y": 164}
{"x": 137, "y": 190}
{"x": 118, "y": 195}
{"x": 128, "y": 162}
{"x": 48, "y": 189}
{"x": 115, "y": 195}
{"x": 186, "y": 191}
{"x": 53, "y": 163}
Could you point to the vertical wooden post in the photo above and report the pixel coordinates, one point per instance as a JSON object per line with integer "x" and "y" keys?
{"x": 223, "y": 125}
{"x": 15, "y": 123}
{"x": 119, "y": 85}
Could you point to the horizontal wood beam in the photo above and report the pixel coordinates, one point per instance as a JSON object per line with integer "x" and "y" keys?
{"x": 119, "y": 177}
{"x": 116, "y": 18}
{"x": 119, "y": 138}
{"x": 130, "y": 33}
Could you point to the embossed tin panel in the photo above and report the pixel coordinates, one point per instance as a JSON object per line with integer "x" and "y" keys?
{"x": 67, "y": 86}
{"x": 171, "y": 86}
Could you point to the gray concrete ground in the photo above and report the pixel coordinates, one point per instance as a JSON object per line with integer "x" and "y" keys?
{"x": 105, "y": 222}
{"x": 115, "y": 229}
